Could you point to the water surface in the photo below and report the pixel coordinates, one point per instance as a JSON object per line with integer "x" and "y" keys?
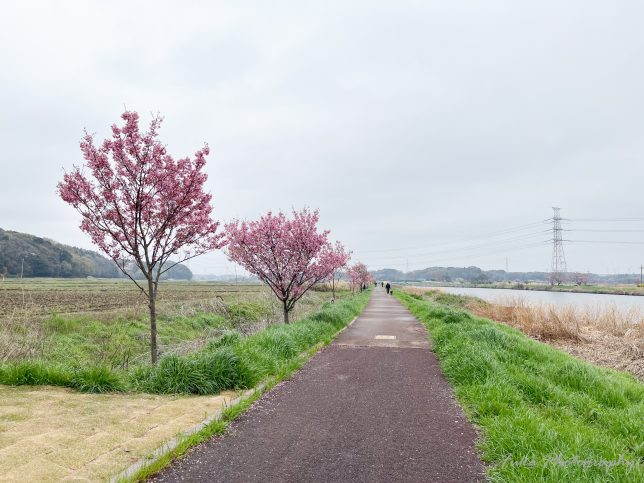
{"x": 581, "y": 300}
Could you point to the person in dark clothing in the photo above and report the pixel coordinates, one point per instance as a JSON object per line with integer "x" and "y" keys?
{"x": 388, "y": 287}
{"x": 382, "y": 284}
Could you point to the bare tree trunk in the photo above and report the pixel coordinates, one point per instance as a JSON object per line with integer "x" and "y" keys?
{"x": 285, "y": 313}
{"x": 333, "y": 287}
{"x": 152, "y": 295}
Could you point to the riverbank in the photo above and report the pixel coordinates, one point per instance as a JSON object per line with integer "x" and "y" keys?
{"x": 603, "y": 335}
{"x": 635, "y": 290}
{"x": 544, "y": 415}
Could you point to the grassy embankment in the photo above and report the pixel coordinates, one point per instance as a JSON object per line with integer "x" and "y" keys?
{"x": 233, "y": 345}
{"x": 604, "y": 335}
{"x": 544, "y": 415}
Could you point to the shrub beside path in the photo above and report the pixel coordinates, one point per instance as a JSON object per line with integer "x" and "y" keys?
{"x": 373, "y": 406}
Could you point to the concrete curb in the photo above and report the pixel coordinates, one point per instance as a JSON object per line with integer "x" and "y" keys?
{"x": 168, "y": 446}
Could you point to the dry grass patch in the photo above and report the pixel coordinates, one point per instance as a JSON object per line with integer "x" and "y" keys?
{"x": 544, "y": 322}
{"x": 604, "y": 335}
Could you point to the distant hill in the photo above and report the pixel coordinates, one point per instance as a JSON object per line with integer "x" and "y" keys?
{"x": 476, "y": 275}
{"x": 40, "y": 257}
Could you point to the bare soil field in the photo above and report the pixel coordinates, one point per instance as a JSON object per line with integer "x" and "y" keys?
{"x": 105, "y": 321}
{"x": 64, "y": 296}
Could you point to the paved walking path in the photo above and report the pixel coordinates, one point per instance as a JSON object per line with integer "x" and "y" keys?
{"x": 373, "y": 407}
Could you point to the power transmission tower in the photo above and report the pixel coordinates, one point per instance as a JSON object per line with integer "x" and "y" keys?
{"x": 558, "y": 273}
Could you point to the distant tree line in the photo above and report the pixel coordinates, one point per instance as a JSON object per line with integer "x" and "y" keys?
{"x": 27, "y": 255}
{"x": 476, "y": 275}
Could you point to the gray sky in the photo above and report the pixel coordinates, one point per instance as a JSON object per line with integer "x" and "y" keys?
{"x": 411, "y": 125}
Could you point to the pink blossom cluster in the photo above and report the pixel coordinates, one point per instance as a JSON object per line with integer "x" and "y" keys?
{"x": 289, "y": 254}
{"x": 359, "y": 275}
{"x": 140, "y": 204}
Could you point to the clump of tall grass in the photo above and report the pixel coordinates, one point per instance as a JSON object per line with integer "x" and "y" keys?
{"x": 20, "y": 337}
{"x": 546, "y": 322}
{"x": 208, "y": 372}
{"x": 454, "y": 300}
{"x": 566, "y": 322}
{"x": 33, "y": 373}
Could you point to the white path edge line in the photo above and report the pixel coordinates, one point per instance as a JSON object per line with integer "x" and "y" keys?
{"x": 171, "y": 444}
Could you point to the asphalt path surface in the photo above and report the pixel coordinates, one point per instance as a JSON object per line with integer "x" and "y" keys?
{"x": 371, "y": 407}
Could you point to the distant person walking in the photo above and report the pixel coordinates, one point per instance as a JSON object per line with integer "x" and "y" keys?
{"x": 388, "y": 287}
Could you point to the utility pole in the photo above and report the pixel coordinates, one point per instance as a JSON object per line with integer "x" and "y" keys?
{"x": 558, "y": 258}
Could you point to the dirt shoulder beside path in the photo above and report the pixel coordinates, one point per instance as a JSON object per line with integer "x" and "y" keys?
{"x": 373, "y": 406}
{"x": 53, "y": 434}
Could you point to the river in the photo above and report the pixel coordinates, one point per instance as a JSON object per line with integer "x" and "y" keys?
{"x": 581, "y": 300}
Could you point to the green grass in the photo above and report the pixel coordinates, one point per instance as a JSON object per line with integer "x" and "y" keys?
{"x": 76, "y": 341}
{"x": 236, "y": 362}
{"x": 35, "y": 373}
{"x": 545, "y": 416}
{"x": 230, "y": 361}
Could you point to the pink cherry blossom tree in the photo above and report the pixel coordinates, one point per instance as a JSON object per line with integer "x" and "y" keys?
{"x": 140, "y": 206}
{"x": 290, "y": 255}
{"x": 342, "y": 258}
{"x": 358, "y": 276}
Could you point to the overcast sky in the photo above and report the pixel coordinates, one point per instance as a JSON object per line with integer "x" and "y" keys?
{"x": 426, "y": 132}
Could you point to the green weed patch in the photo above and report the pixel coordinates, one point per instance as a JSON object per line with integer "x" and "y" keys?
{"x": 230, "y": 361}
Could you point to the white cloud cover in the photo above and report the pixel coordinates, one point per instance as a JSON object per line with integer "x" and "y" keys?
{"x": 406, "y": 123}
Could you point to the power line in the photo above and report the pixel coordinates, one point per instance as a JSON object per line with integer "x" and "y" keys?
{"x": 599, "y": 230}
{"x": 514, "y": 238}
{"x": 477, "y": 246}
{"x": 493, "y": 234}
{"x": 615, "y": 242}
{"x": 606, "y": 220}
{"x": 480, "y": 252}
{"x": 477, "y": 255}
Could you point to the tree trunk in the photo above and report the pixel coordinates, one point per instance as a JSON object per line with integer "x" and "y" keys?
{"x": 285, "y": 313}
{"x": 153, "y": 321}
{"x": 333, "y": 287}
